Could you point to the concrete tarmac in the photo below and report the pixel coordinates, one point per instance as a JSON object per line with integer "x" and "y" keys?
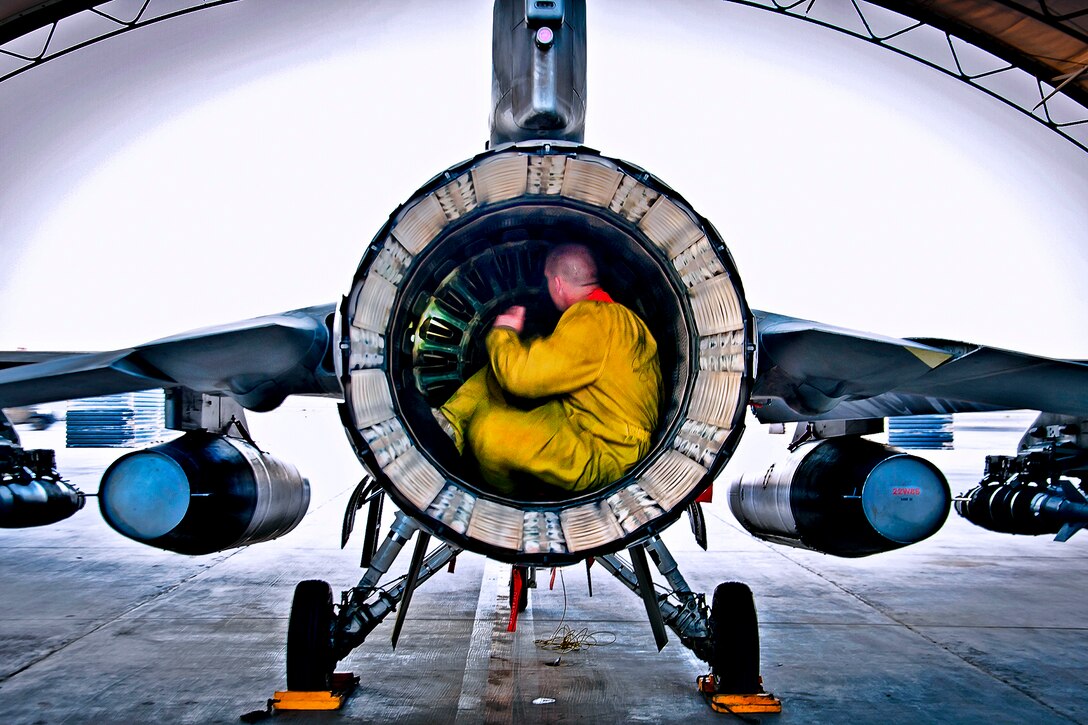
{"x": 968, "y": 626}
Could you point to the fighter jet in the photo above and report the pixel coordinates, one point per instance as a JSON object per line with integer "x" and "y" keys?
{"x": 409, "y": 330}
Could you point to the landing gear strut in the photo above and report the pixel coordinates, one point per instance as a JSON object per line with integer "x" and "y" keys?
{"x": 365, "y": 606}
{"x": 726, "y": 636}
{"x": 319, "y": 635}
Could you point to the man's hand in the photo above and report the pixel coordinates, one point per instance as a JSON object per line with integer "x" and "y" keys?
{"x": 513, "y": 318}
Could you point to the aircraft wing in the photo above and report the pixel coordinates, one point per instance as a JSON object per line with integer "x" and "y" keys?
{"x": 812, "y": 371}
{"x": 257, "y": 362}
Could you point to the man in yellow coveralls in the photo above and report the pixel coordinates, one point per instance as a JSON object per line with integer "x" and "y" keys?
{"x": 598, "y": 374}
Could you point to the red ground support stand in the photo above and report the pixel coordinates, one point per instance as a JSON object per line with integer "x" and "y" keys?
{"x": 515, "y": 597}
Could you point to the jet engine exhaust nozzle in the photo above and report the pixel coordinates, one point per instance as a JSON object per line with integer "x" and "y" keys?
{"x": 472, "y": 242}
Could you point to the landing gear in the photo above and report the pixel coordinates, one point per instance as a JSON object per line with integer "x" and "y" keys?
{"x": 726, "y": 636}
{"x": 318, "y": 637}
{"x": 309, "y": 637}
{"x": 363, "y": 607}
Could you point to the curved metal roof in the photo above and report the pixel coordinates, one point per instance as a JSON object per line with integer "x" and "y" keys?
{"x": 1047, "y": 39}
{"x": 1030, "y": 54}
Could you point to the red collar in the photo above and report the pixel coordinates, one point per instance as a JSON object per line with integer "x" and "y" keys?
{"x": 599, "y": 295}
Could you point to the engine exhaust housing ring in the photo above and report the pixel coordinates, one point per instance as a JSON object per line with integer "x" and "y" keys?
{"x": 472, "y": 241}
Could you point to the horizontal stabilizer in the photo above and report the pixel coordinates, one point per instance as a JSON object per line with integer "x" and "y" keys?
{"x": 257, "y": 362}
{"x": 812, "y": 371}
{"x": 11, "y": 359}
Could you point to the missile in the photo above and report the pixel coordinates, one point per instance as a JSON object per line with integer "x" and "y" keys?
{"x": 1026, "y": 508}
{"x": 37, "y": 503}
{"x": 31, "y": 491}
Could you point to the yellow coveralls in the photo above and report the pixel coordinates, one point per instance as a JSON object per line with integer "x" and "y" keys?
{"x": 600, "y": 371}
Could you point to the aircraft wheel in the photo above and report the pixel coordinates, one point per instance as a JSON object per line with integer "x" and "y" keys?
{"x": 309, "y": 637}
{"x": 735, "y": 639}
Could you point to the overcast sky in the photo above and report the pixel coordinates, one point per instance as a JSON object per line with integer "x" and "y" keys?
{"x": 236, "y": 162}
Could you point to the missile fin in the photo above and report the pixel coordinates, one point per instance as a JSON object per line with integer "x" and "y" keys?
{"x": 1067, "y": 531}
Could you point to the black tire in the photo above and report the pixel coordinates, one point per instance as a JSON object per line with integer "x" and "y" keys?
{"x": 735, "y": 639}
{"x": 309, "y": 637}
{"x": 40, "y": 422}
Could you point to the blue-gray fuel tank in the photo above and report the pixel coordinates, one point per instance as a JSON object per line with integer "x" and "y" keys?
{"x": 202, "y": 493}
{"x": 846, "y": 496}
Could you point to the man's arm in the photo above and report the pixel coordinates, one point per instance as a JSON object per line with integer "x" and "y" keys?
{"x": 568, "y": 359}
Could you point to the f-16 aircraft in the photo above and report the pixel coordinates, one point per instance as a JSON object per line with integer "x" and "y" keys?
{"x": 409, "y": 329}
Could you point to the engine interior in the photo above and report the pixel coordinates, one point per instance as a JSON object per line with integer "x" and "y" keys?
{"x": 485, "y": 266}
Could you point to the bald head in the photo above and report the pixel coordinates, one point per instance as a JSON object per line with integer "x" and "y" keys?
{"x": 571, "y": 274}
{"x": 573, "y": 263}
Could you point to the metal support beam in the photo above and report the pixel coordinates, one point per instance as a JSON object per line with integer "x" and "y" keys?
{"x": 1017, "y": 76}
{"x": 667, "y": 565}
{"x": 399, "y": 534}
